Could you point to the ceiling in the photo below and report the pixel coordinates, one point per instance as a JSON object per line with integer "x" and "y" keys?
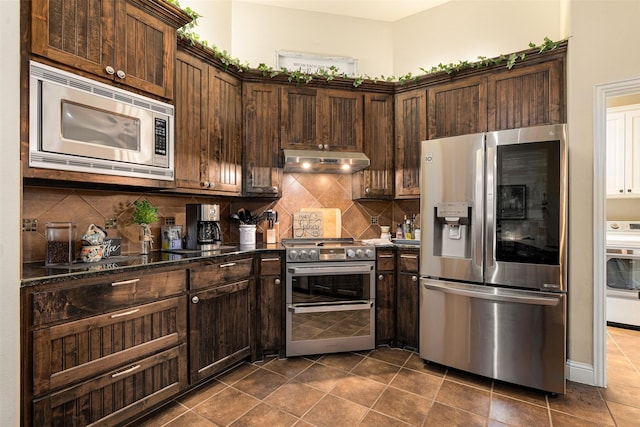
{"x": 379, "y": 10}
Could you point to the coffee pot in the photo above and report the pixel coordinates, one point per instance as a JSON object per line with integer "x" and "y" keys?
{"x": 203, "y": 227}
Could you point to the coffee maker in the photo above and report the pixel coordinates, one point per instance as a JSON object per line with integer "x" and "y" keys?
{"x": 203, "y": 228}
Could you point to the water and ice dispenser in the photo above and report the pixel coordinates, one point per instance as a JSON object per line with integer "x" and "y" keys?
{"x": 452, "y": 229}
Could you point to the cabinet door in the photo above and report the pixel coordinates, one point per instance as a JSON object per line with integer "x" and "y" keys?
{"x": 271, "y": 307}
{"x": 261, "y": 174}
{"x": 408, "y": 294}
{"x": 376, "y": 182}
{"x": 632, "y": 153}
{"x": 219, "y": 328}
{"x": 224, "y": 166}
{"x": 615, "y": 153}
{"x": 342, "y": 113}
{"x": 411, "y": 129}
{"x": 74, "y": 33}
{"x": 145, "y": 50}
{"x": 385, "y": 307}
{"x": 192, "y": 111}
{"x": 67, "y": 353}
{"x": 300, "y": 123}
{"x": 528, "y": 96}
{"x": 457, "y": 108}
{"x": 408, "y": 309}
{"x": 118, "y": 395}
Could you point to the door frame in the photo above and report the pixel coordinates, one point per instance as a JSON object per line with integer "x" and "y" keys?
{"x": 602, "y": 94}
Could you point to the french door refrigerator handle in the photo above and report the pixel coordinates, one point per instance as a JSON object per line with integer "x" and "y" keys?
{"x": 542, "y": 300}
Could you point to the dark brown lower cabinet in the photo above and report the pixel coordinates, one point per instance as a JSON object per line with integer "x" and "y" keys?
{"x": 220, "y": 331}
{"x": 270, "y": 294}
{"x": 113, "y": 397}
{"x": 385, "y": 297}
{"x": 408, "y": 294}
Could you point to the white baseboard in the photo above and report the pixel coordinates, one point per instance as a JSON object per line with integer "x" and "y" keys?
{"x": 581, "y": 373}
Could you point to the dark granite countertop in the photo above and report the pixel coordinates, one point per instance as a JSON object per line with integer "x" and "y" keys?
{"x": 38, "y": 273}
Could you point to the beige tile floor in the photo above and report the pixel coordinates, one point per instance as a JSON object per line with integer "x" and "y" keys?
{"x": 392, "y": 387}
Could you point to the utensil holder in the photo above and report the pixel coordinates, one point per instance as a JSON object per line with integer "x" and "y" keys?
{"x": 247, "y": 234}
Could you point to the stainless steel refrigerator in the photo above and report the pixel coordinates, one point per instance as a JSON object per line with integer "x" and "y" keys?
{"x": 493, "y": 289}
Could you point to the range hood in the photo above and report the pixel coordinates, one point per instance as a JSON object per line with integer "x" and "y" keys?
{"x": 324, "y": 161}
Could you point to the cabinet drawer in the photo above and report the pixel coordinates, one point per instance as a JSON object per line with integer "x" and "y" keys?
{"x": 270, "y": 265}
{"x": 409, "y": 262}
{"x": 67, "y": 353}
{"x": 117, "y": 395}
{"x": 73, "y": 301}
{"x": 385, "y": 260}
{"x": 220, "y": 273}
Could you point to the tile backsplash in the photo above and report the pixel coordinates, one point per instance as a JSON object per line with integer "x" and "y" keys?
{"x": 84, "y": 207}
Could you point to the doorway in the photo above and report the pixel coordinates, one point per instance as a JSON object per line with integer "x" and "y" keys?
{"x": 604, "y": 95}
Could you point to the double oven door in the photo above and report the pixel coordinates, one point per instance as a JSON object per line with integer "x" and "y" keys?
{"x": 330, "y": 307}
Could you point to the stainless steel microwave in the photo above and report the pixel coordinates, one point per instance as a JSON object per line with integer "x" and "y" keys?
{"x": 77, "y": 124}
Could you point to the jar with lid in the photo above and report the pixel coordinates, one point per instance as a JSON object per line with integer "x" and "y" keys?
{"x": 61, "y": 243}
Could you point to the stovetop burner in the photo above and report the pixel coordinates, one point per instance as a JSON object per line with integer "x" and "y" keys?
{"x": 329, "y": 249}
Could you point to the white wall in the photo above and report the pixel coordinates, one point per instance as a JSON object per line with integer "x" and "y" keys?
{"x": 215, "y": 24}
{"x": 10, "y": 200}
{"x": 463, "y": 30}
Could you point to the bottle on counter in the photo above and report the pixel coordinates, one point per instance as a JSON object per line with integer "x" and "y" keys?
{"x": 399, "y": 232}
{"x": 407, "y": 229}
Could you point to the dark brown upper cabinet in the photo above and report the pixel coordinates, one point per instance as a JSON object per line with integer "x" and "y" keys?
{"x": 411, "y": 129}
{"x": 376, "y": 182}
{"x": 208, "y": 128}
{"x": 321, "y": 119}
{"x": 529, "y": 96}
{"x": 130, "y": 42}
{"x": 457, "y": 108}
{"x": 261, "y": 139}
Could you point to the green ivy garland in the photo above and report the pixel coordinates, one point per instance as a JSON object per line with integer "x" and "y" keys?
{"x": 187, "y": 33}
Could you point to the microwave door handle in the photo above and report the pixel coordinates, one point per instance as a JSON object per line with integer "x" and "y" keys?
{"x": 323, "y": 271}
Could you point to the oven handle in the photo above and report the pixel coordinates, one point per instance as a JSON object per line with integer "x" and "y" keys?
{"x": 333, "y": 270}
{"x": 324, "y": 307}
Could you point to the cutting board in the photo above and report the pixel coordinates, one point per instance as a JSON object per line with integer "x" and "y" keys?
{"x": 307, "y": 224}
{"x": 331, "y": 221}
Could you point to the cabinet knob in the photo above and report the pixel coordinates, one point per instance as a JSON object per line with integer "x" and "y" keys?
{"x": 277, "y": 281}
{"x": 121, "y": 74}
{"x": 205, "y": 184}
{"x": 381, "y": 277}
{"x": 319, "y": 146}
{"x": 414, "y": 278}
{"x": 628, "y": 190}
{"x": 326, "y": 146}
{"x": 621, "y": 190}
{"x": 274, "y": 189}
{"x": 367, "y": 190}
{"x": 110, "y": 70}
{"x": 195, "y": 299}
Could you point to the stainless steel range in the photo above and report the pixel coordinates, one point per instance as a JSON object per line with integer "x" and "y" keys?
{"x": 623, "y": 272}
{"x": 330, "y": 296}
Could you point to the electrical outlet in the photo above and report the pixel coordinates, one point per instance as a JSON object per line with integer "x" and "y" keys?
{"x": 110, "y": 223}
{"x": 169, "y": 220}
{"x": 29, "y": 224}
{"x": 374, "y": 220}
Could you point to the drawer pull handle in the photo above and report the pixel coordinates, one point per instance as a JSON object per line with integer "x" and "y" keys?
{"x": 126, "y": 313}
{"x": 270, "y": 259}
{"x": 229, "y": 264}
{"x": 385, "y": 256}
{"x": 409, "y": 256}
{"x": 125, "y": 282}
{"x": 126, "y": 371}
